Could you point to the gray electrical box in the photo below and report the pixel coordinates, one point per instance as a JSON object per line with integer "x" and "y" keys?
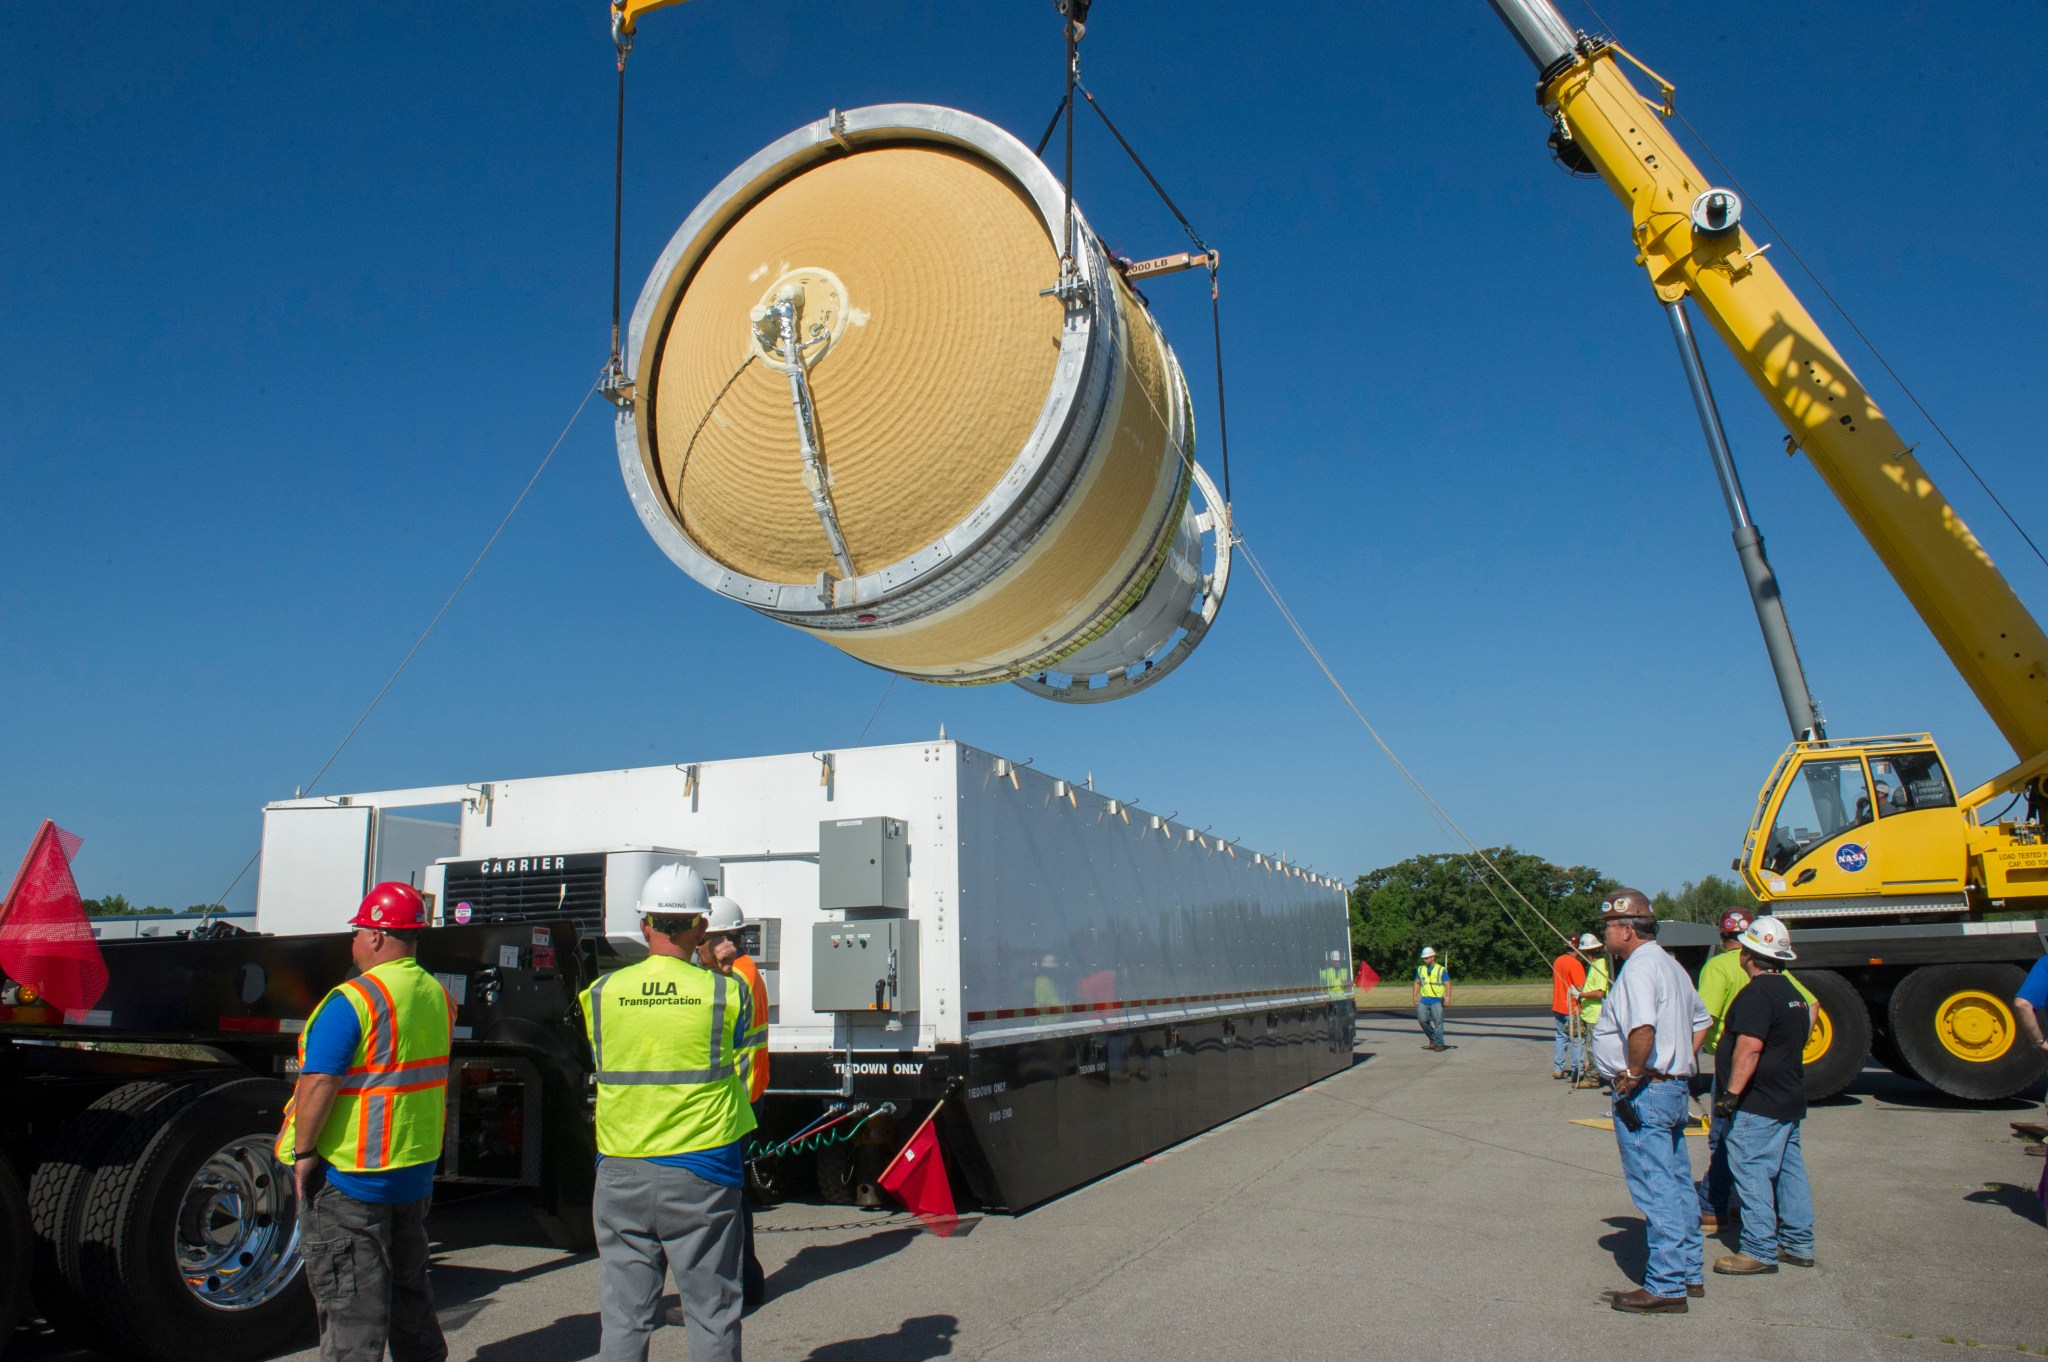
{"x": 865, "y": 965}
{"x": 761, "y": 939}
{"x": 864, "y": 865}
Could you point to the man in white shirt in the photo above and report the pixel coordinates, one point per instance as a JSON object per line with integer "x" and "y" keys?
{"x": 1644, "y": 1044}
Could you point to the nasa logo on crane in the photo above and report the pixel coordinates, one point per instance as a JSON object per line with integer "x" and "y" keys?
{"x": 1852, "y": 857}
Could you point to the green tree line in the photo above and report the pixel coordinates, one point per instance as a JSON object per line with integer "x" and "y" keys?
{"x": 117, "y": 905}
{"x": 1483, "y": 930}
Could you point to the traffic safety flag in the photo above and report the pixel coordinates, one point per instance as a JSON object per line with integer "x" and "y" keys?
{"x": 1367, "y": 975}
{"x": 917, "y": 1178}
{"x": 46, "y": 941}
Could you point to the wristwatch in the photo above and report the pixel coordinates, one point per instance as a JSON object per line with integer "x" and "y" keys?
{"x": 298, "y": 1155}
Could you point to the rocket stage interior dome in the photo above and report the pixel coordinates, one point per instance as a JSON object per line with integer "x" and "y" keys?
{"x": 863, "y": 405}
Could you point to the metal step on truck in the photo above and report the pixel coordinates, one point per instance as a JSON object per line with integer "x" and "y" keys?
{"x": 1073, "y": 982}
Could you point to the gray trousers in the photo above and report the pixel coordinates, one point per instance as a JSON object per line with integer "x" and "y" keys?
{"x": 367, "y": 1266}
{"x": 649, "y": 1215}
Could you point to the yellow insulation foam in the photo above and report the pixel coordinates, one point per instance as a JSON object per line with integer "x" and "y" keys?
{"x": 923, "y": 402}
{"x": 1101, "y": 535}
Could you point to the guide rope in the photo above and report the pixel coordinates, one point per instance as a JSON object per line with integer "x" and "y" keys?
{"x": 432, "y": 624}
{"x": 1476, "y": 857}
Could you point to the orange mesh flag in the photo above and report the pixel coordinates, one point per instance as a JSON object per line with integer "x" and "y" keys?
{"x": 917, "y": 1178}
{"x": 45, "y": 940}
{"x": 1367, "y": 975}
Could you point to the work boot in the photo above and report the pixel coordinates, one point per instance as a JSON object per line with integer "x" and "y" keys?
{"x": 1742, "y": 1265}
{"x": 1557, "y": 1073}
{"x": 1640, "y": 1302}
{"x": 1795, "y": 1259}
{"x": 1710, "y": 1224}
{"x": 1696, "y": 1290}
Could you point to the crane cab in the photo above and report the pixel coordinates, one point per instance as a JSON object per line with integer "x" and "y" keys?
{"x": 1848, "y": 827}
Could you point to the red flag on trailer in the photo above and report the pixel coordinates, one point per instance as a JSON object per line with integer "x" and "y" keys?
{"x": 917, "y": 1178}
{"x": 46, "y": 942}
{"x": 1367, "y": 975}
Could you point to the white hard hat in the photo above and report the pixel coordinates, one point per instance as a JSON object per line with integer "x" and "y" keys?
{"x": 1588, "y": 942}
{"x": 726, "y": 916}
{"x": 676, "y": 889}
{"x": 1769, "y": 938}
{"x": 1428, "y": 952}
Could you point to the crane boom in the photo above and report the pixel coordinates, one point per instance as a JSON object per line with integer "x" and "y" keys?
{"x": 1689, "y": 240}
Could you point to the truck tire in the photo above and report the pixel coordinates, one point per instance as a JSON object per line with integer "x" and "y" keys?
{"x": 1954, "y": 1024}
{"x": 1840, "y": 1040}
{"x": 1886, "y": 1051}
{"x": 836, "y": 1177}
{"x": 191, "y": 1235}
{"x": 56, "y": 1195}
{"x": 17, "y": 1249}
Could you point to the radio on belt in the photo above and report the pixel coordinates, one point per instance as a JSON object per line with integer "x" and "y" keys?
{"x": 867, "y": 963}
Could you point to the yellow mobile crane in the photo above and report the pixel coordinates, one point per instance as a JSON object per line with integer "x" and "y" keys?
{"x": 1867, "y": 843}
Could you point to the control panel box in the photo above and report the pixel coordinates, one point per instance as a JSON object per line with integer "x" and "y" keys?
{"x": 863, "y": 865}
{"x": 761, "y": 939}
{"x": 865, "y": 965}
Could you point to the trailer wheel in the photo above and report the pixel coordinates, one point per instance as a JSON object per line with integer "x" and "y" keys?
{"x": 17, "y": 1248}
{"x": 57, "y": 1193}
{"x": 1954, "y": 1024}
{"x": 196, "y": 1236}
{"x": 1840, "y": 1039}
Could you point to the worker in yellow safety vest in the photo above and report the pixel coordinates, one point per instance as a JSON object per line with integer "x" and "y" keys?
{"x": 672, "y": 1118}
{"x": 1592, "y": 993}
{"x": 362, "y": 1134}
{"x": 1431, "y": 990}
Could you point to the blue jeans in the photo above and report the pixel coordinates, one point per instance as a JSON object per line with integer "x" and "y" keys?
{"x": 1430, "y": 1012}
{"x": 1716, "y": 1187}
{"x": 1658, "y": 1171}
{"x": 1770, "y": 1182}
{"x": 1566, "y": 1047}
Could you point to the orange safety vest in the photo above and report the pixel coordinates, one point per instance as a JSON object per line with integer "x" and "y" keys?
{"x": 393, "y": 1101}
{"x": 754, "y": 1045}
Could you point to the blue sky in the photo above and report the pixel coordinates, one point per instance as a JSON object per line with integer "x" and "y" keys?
{"x": 296, "y": 297}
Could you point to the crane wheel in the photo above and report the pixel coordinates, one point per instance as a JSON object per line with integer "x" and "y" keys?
{"x": 1840, "y": 1039}
{"x": 195, "y": 1232}
{"x": 17, "y": 1250}
{"x": 1886, "y": 1051}
{"x": 1954, "y": 1024}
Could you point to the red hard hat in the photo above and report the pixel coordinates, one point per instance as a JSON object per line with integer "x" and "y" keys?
{"x": 1734, "y": 923}
{"x": 391, "y": 905}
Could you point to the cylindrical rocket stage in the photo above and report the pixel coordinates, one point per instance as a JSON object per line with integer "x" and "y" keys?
{"x": 864, "y": 405}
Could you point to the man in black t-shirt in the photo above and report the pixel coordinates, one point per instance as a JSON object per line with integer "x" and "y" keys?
{"x": 1760, "y": 1087}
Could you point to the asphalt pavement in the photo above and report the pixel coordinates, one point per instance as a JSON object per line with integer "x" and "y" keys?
{"x": 1418, "y": 1206}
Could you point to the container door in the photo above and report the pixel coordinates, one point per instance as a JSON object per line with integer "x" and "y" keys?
{"x": 1925, "y": 835}
{"x": 1820, "y": 843}
{"x": 316, "y": 868}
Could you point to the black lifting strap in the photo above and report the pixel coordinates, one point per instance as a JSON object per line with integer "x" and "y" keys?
{"x": 1215, "y": 266}
{"x": 615, "y": 372}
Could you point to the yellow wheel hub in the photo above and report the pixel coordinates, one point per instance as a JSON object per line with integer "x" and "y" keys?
{"x": 1819, "y": 1038}
{"x": 1975, "y": 1025}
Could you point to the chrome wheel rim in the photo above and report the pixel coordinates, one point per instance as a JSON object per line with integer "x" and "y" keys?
{"x": 237, "y": 1230}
